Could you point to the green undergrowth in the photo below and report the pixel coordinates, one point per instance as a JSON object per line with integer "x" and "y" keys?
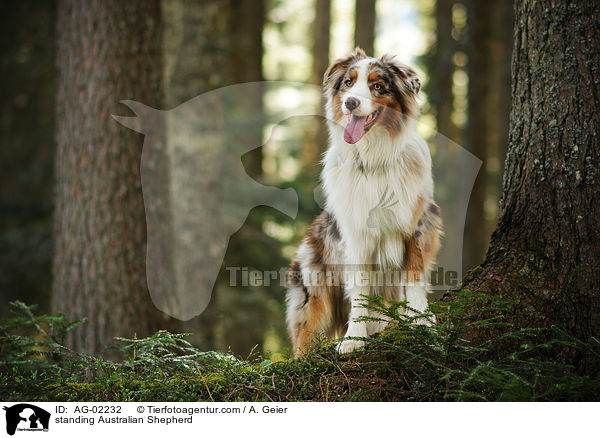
{"x": 406, "y": 362}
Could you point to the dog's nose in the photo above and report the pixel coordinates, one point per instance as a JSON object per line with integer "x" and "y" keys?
{"x": 352, "y": 103}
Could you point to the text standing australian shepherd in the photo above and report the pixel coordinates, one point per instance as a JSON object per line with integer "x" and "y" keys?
{"x": 379, "y": 216}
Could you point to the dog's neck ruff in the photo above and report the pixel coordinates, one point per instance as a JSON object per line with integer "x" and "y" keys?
{"x": 379, "y": 153}
{"x": 371, "y": 169}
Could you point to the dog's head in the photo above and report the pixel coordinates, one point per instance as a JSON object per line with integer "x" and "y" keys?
{"x": 363, "y": 92}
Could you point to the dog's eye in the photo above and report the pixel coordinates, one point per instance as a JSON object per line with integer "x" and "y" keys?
{"x": 348, "y": 82}
{"x": 377, "y": 87}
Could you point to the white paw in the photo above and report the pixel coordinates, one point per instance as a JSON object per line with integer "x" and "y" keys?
{"x": 427, "y": 321}
{"x": 349, "y": 345}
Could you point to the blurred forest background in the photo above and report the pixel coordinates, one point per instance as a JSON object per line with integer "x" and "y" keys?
{"x": 462, "y": 49}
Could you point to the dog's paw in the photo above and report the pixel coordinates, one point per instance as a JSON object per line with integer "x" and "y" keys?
{"x": 427, "y": 321}
{"x": 349, "y": 345}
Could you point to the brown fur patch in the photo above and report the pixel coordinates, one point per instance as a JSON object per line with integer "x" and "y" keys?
{"x": 324, "y": 310}
{"x": 430, "y": 244}
{"x": 394, "y": 95}
{"x": 323, "y": 226}
{"x": 333, "y": 77}
{"x": 318, "y": 247}
{"x": 337, "y": 108}
{"x": 392, "y": 116}
{"x": 373, "y": 77}
{"x": 400, "y": 86}
{"x": 311, "y": 328}
{"x": 424, "y": 243}
{"x": 427, "y": 233}
{"x": 414, "y": 265}
{"x": 315, "y": 237}
{"x": 294, "y": 276}
{"x": 418, "y": 211}
{"x": 326, "y": 315}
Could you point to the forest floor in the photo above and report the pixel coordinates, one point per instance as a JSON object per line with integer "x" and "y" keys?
{"x": 406, "y": 362}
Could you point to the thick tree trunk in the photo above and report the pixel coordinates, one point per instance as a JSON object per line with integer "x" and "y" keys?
{"x": 364, "y": 25}
{"x": 545, "y": 252}
{"x": 107, "y": 51}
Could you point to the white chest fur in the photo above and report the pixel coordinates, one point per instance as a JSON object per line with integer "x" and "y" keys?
{"x": 373, "y": 189}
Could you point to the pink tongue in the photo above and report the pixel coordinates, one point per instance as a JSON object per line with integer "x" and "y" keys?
{"x": 355, "y": 129}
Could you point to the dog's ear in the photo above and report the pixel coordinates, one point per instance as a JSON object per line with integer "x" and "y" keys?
{"x": 403, "y": 73}
{"x": 414, "y": 82}
{"x": 335, "y": 72}
{"x": 359, "y": 53}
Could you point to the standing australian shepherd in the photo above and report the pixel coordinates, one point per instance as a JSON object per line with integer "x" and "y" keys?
{"x": 379, "y": 216}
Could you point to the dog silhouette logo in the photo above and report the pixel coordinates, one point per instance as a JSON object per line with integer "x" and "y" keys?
{"x": 26, "y": 417}
{"x": 386, "y": 202}
{"x": 196, "y": 190}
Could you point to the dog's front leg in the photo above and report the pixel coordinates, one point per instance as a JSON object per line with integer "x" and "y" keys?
{"x": 356, "y": 327}
{"x": 357, "y": 287}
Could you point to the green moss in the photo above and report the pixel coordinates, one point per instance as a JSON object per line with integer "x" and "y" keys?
{"x": 404, "y": 362}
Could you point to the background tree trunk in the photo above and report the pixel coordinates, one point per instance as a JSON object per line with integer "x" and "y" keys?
{"x": 479, "y": 18}
{"x": 364, "y": 25}
{"x": 196, "y": 53}
{"x": 320, "y": 48}
{"x": 240, "y": 329}
{"x": 245, "y": 65}
{"x": 498, "y": 102}
{"x": 107, "y": 51}
{"x": 27, "y": 103}
{"x": 440, "y": 64}
{"x": 489, "y": 42}
{"x": 209, "y": 45}
{"x": 316, "y": 135}
{"x": 544, "y": 252}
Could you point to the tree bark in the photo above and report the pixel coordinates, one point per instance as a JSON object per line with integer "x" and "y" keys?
{"x": 245, "y": 65}
{"x": 479, "y": 18}
{"x": 321, "y": 39}
{"x": 107, "y": 51}
{"x": 441, "y": 67}
{"x": 209, "y": 45}
{"x": 27, "y": 103}
{"x": 240, "y": 332}
{"x": 544, "y": 252}
{"x": 364, "y": 25}
{"x": 196, "y": 53}
{"x": 316, "y": 135}
{"x": 499, "y": 99}
{"x": 489, "y": 103}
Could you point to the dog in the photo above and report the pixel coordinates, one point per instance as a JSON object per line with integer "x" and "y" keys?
{"x": 379, "y": 216}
